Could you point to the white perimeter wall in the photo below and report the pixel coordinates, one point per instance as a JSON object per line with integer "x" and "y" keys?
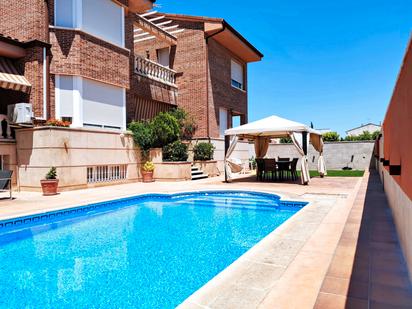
{"x": 337, "y": 155}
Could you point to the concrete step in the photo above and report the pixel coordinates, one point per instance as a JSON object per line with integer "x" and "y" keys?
{"x": 198, "y": 172}
{"x": 201, "y": 176}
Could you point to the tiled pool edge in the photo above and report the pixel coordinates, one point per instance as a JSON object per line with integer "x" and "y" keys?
{"x": 113, "y": 204}
{"x": 205, "y": 296}
{"x": 223, "y": 289}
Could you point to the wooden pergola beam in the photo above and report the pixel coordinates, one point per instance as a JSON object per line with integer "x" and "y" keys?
{"x": 155, "y": 30}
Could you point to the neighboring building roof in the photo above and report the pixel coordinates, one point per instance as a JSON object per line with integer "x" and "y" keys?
{"x": 323, "y": 131}
{"x": 365, "y": 125}
{"x": 225, "y": 34}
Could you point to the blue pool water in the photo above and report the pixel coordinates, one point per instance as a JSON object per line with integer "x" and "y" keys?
{"x": 147, "y": 252}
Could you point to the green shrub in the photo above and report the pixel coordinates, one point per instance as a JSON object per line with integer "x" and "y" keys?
{"x": 175, "y": 152}
{"x": 186, "y": 123}
{"x": 142, "y": 136}
{"x": 286, "y": 140}
{"x": 166, "y": 129}
{"x": 365, "y": 136}
{"x": 331, "y": 137}
{"x": 203, "y": 151}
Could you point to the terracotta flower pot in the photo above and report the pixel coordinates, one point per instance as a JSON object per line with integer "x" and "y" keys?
{"x": 147, "y": 176}
{"x": 49, "y": 186}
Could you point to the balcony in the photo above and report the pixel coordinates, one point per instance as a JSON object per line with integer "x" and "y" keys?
{"x": 155, "y": 71}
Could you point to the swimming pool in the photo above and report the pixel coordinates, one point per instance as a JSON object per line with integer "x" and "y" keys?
{"x": 150, "y": 251}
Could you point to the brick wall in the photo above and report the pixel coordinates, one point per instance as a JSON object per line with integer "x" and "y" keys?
{"x": 24, "y": 19}
{"x": 221, "y": 92}
{"x": 188, "y": 58}
{"x": 32, "y": 67}
{"x": 77, "y": 53}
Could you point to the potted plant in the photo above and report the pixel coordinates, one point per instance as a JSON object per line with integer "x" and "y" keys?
{"x": 147, "y": 171}
{"x": 50, "y": 183}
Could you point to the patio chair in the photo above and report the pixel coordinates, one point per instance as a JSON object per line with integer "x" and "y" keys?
{"x": 260, "y": 171}
{"x": 270, "y": 167}
{"x": 5, "y": 182}
{"x": 283, "y": 159}
{"x": 293, "y": 170}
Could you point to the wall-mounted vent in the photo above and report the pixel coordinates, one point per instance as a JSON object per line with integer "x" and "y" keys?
{"x": 106, "y": 173}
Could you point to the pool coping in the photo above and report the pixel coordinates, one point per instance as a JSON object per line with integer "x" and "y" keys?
{"x": 224, "y": 290}
{"x": 19, "y": 221}
{"x": 196, "y": 299}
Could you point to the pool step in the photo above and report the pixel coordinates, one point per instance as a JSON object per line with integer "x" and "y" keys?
{"x": 198, "y": 173}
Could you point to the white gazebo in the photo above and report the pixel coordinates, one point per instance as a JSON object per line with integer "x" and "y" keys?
{"x": 262, "y": 131}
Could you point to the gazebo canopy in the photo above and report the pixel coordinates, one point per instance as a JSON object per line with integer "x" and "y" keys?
{"x": 263, "y": 130}
{"x": 272, "y": 126}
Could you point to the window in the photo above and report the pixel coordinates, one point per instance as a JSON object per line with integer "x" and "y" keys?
{"x": 89, "y": 103}
{"x": 101, "y": 18}
{"x": 104, "y": 19}
{"x": 222, "y": 121}
{"x": 64, "y": 97}
{"x": 163, "y": 57}
{"x": 103, "y": 105}
{"x": 236, "y": 121}
{"x": 237, "y": 75}
{"x": 64, "y": 13}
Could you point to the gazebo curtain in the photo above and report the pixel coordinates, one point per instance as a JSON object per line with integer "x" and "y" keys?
{"x": 304, "y": 166}
{"x": 261, "y": 146}
{"x": 317, "y": 143}
{"x": 230, "y": 150}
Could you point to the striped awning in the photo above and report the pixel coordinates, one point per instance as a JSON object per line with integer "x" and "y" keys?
{"x": 10, "y": 78}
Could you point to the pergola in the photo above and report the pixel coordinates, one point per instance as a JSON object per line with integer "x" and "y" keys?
{"x": 152, "y": 25}
{"x": 262, "y": 131}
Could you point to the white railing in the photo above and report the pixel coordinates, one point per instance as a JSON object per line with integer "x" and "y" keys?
{"x": 106, "y": 173}
{"x": 156, "y": 71}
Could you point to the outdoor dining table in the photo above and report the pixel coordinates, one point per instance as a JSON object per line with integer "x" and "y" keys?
{"x": 278, "y": 169}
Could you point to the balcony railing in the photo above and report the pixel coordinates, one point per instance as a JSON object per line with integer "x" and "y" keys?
{"x": 155, "y": 71}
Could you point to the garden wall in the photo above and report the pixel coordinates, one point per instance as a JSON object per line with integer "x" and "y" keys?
{"x": 73, "y": 151}
{"x": 337, "y": 154}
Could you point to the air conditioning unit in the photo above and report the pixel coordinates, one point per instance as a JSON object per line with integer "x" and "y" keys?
{"x": 20, "y": 113}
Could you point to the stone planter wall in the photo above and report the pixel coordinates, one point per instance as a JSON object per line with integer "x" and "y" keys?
{"x": 72, "y": 151}
{"x": 173, "y": 171}
{"x": 208, "y": 167}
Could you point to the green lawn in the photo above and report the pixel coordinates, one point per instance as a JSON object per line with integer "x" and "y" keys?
{"x": 338, "y": 173}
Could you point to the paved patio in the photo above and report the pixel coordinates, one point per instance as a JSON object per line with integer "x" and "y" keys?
{"x": 340, "y": 251}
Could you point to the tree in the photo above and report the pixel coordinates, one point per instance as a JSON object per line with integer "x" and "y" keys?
{"x": 375, "y": 135}
{"x": 331, "y": 137}
{"x": 166, "y": 129}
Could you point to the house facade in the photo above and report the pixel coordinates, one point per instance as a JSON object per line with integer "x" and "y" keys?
{"x": 369, "y": 127}
{"x": 210, "y": 60}
{"x": 100, "y": 64}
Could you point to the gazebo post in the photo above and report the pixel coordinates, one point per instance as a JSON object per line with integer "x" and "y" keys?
{"x": 227, "y": 144}
{"x": 305, "y": 142}
{"x": 305, "y": 146}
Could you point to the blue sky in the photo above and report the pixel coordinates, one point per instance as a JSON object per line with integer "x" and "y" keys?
{"x": 334, "y": 63}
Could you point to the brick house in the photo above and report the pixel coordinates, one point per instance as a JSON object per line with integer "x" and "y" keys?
{"x": 101, "y": 64}
{"x": 210, "y": 61}
{"x": 70, "y": 59}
